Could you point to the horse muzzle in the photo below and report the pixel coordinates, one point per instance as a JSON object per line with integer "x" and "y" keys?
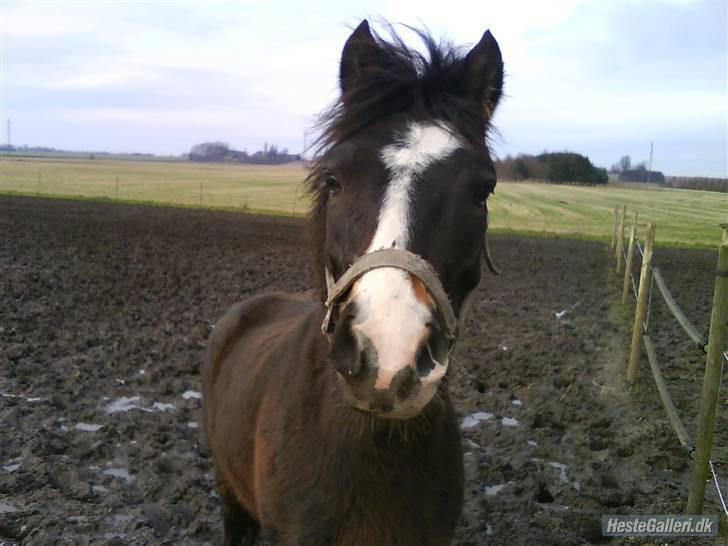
{"x": 393, "y": 381}
{"x": 391, "y": 340}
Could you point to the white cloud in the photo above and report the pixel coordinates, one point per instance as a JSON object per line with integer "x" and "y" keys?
{"x": 45, "y": 22}
{"x": 257, "y": 69}
{"x": 147, "y": 116}
{"x": 104, "y": 77}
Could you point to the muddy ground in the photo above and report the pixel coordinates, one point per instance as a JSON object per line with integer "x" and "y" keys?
{"x": 104, "y": 314}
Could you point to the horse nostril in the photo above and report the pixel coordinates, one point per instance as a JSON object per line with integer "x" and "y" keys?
{"x": 424, "y": 364}
{"x": 406, "y": 382}
{"x": 363, "y": 361}
{"x": 433, "y": 351}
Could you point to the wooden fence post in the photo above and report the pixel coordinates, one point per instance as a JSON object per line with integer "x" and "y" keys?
{"x": 614, "y": 227}
{"x": 641, "y": 311}
{"x": 116, "y": 190}
{"x": 620, "y": 239}
{"x": 630, "y": 255}
{"x": 711, "y": 380}
{"x": 201, "y": 183}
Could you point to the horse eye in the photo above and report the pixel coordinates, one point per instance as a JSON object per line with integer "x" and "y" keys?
{"x": 481, "y": 193}
{"x": 332, "y": 184}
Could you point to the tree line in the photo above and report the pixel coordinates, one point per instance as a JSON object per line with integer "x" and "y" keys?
{"x": 221, "y": 151}
{"x": 555, "y": 167}
{"x": 697, "y": 183}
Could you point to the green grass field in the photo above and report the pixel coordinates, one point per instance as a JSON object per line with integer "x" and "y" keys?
{"x": 684, "y": 217}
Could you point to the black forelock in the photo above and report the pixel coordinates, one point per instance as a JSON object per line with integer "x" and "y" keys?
{"x": 424, "y": 86}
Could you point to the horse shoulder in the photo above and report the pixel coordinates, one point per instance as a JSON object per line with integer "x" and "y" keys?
{"x": 236, "y": 376}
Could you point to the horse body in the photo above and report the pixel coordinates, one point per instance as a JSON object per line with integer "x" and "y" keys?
{"x": 328, "y": 418}
{"x": 302, "y": 463}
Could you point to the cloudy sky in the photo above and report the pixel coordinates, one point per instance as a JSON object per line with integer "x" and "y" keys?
{"x": 602, "y": 78}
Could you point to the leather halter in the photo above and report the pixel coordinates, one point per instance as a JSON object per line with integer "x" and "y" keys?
{"x": 411, "y": 263}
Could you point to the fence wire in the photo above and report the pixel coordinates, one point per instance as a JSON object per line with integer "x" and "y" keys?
{"x": 700, "y": 341}
{"x": 667, "y": 402}
{"x": 687, "y": 326}
{"x": 717, "y": 487}
{"x": 634, "y": 286}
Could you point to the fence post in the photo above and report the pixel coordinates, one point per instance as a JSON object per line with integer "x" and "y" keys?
{"x": 201, "y": 183}
{"x": 630, "y": 255}
{"x": 620, "y": 240}
{"x": 711, "y": 380}
{"x": 614, "y": 227}
{"x": 641, "y": 311}
{"x": 116, "y": 190}
{"x": 37, "y": 191}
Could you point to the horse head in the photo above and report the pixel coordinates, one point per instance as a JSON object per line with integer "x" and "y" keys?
{"x": 405, "y": 166}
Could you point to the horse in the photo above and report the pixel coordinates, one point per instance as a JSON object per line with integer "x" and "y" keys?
{"x": 327, "y": 416}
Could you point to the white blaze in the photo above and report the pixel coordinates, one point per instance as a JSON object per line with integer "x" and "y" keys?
{"x": 393, "y": 318}
{"x": 421, "y": 146}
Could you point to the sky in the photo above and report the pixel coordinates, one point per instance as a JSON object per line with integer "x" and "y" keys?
{"x": 602, "y": 78}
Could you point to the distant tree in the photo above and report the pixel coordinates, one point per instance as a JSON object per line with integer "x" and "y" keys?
{"x": 210, "y": 151}
{"x": 559, "y": 167}
{"x": 624, "y": 163}
{"x": 221, "y": 151}
{"x": 601, "y": 176}
{"x": 572, "y": 167}
{"x": 520, "y": 169}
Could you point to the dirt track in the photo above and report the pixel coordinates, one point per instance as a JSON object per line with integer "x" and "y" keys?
{"x": 104, "y": 315}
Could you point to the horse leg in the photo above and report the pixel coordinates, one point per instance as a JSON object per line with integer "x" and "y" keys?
{"x": 239, "y": 527}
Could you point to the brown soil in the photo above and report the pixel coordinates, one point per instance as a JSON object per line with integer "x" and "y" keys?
{"x": 101, "y": 301}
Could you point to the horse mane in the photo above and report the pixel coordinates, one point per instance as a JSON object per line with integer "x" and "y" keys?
{"x": 428, "y": 86}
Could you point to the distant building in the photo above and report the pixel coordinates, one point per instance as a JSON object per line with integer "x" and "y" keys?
{"x": 642, "y": 175}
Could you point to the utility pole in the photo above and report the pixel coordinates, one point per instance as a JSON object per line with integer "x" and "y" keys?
{"x": 9, "y": 142}
{"x": 649, "y": 169}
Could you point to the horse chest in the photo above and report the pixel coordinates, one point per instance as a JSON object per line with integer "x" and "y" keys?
{"x": 382, "y": 491}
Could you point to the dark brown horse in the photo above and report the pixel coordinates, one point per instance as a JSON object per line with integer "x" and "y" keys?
{"x": 329, "y": 421}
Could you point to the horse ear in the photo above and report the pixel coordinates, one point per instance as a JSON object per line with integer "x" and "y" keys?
{"x": 360, "y": 52}
{"x": 484, "y": 74}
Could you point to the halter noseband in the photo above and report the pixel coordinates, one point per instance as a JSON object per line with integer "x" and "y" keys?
{"x": 399, "y": 259}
